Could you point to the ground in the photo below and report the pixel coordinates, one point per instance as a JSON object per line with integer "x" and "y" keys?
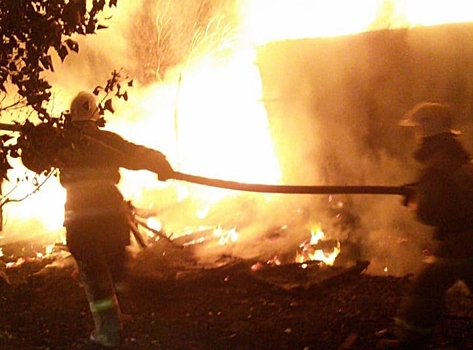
{"x": 226, "y": 307}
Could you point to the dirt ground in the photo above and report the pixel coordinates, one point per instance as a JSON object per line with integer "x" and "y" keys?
{"x": 173, "y": 304}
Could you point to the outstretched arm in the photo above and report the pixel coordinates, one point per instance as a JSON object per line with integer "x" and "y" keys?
{"x": 137, "y": 157}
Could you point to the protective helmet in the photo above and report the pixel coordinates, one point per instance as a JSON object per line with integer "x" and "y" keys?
{"x": 430, "y": 119}
{"x": 84, "y": 107}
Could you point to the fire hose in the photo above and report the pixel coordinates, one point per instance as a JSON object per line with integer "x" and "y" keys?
{"x": 405, "y": 190}
{"x": 402, "y": 190}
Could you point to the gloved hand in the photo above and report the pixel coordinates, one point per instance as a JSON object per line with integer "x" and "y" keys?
{"x": 409, "y": 194}
{"x": 165, "y": 171}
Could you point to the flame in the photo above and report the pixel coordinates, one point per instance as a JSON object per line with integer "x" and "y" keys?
{"x": 42, "y": 209}
{"x": 226, "y": 236}
{"x": 309, "y": 253}
{"x": 281, "y": 20}
{"x": 208, "y": 116}
{"x": 271, "y": 20}
{"x": 155, "y": 224}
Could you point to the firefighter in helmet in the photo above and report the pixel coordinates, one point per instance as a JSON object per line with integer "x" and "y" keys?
{"x": 442, "y": 199}
{"x": 96, "y": 217}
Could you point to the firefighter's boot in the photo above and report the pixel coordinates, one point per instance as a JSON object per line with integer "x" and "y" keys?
{"x": 404, "y": 337}
{"x": 108, "y": 326}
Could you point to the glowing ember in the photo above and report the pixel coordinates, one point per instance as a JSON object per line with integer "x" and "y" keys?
{"x": 54, "y": 251}
{"x": 17, "y": 263}
{"x": 274, "y": 261}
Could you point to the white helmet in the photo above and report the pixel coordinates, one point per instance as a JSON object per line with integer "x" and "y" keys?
{"x": 84, "y": 107}
{"x": 430, "y": 119}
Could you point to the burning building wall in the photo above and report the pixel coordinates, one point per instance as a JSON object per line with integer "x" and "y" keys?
{"x": 351, "y": 91}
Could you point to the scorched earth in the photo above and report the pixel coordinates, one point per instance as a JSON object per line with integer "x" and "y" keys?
{"x": 174, "y": 303}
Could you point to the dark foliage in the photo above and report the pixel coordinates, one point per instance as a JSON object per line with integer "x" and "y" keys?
{"x": 29, "y": 29}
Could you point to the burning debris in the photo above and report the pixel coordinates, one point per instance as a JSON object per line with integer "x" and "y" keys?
{"x": 178, "y": 263}
{"x": 42, "y": 248}
{"x": 160, "y": 256}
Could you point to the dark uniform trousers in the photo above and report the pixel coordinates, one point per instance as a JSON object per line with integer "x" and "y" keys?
{"x": 425, "y": 304}
{"x": 98, "y": 244}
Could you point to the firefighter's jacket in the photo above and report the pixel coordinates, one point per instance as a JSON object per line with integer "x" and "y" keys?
{"x": 444, "y": 195}
{"x": 89, "y": 169}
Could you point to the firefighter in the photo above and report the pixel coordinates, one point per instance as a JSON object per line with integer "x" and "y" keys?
{"x": 96, "y": 216}
{"x": 443, "y": 199}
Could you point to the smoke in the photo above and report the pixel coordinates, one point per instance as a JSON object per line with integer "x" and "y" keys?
{"x": 336, "y": 103}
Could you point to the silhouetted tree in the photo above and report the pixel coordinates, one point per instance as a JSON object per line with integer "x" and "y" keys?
{"x": 30, "y": 31}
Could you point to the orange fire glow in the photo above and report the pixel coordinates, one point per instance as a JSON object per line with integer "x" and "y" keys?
{"x": 208, "y": 116}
